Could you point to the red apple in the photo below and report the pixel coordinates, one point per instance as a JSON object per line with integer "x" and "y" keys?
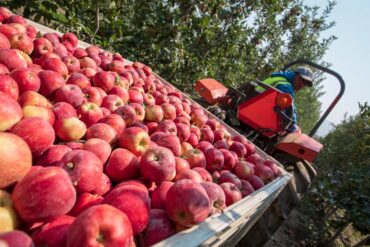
{"x": 85, "y": 201}
{"x": 104, "y": 186}
{"x": 153, "y": 113}
{"x": 135, "y": 140}
{"x": 21, "y": 42}
{"x": 158, "y": 164}
{"x": 16, "y": 159}
{"x": 115, "y": 121}
{"x": 4, "y": 42}
{"x": 181, "y": 165}
{"x": 69, "y": 128}
{"x": 168, "y": 127}
{"x": 112, "y": 102}
{"x": 264, "y": 172}
{"x": 255, "y": 159}
{"x": 71, "y": 94}
{"x": 171, "y": 142}
{"x": 36, "y": 132}
{"x": 127, "y": 194}
{"x": 63, "y": 110}
{"x": 189, "y": 174}
{"x": 84, "y": 168}
{"x": 53, "y": 232}
{"x": 70, "y": 38}
{"x": 90, "y": 113}
{"x": 196, "y": 158}
{"x": 229, "y": 177}
{"x": 99, "y": 147}
{"x": 187, "y": 203}
{"x": 13, "y": 59}
{"x": 33, "y": 98}
{"x": 159, "y": 195}
{"x": 122, "y": 165}
{"x": 247, "y": 188}
{"x": 9, "y": 86}
{"x": 39, "y": 111}
{"x": 206, "y": 176}
{"x": 102, "y": 131}
{"x": 87, "y": 62}
{"x": 160, "y": 227}
{"x": 92, "y": 94}
{"x": 243, "y": 169}
{"x": 229, "y": 159}
{"x": 232, "y": 193}
{"x": 238, "y": 148}
{"x": 46, "y": 188}
{"x": 55, "y": 64}
{"x": 216, "y": 197}
{"x": 100, "y": 225}
{"x": 256, "y": 182}
{"x": 41, "y": 46}
{"x": 204, "y": 146}
{"x": 50, "y": 82}
{"x": 52, "y": 155}
{"x": 15, "y": 238}
{"x": 26, "y": 79}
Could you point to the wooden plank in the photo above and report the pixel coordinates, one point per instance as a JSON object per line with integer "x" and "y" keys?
{"x": 217, "y": 229}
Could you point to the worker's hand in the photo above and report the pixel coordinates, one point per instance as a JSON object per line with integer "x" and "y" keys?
{"x": 298, "y": 130}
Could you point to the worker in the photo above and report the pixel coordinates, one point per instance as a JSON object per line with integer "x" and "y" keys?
{"x": 290, "y": 82}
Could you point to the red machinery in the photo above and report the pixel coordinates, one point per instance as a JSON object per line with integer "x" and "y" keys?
{"x": 261, "y": 117}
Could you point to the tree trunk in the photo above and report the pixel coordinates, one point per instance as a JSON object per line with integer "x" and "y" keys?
{"x": 363, "y": 242}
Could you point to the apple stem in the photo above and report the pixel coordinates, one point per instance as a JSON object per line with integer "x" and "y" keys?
{"x": 100, "y": 238}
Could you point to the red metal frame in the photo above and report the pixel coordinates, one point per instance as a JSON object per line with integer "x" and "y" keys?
{"x": 211, "y": 90}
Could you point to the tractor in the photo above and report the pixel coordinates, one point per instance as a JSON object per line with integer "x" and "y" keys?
{"x": 262, "y": 118}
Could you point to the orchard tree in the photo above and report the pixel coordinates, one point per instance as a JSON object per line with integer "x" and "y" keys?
{"x": 185, "y": 40}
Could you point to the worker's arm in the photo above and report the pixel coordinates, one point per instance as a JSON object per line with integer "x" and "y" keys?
{"x": 289, "y": 89}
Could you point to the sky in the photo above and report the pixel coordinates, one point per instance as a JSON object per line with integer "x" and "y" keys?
{"x": 349, "y": 56}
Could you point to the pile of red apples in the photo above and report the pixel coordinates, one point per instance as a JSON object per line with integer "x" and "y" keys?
{"x": 98, "y": 151}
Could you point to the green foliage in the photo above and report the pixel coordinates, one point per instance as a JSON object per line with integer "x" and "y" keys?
{"x": 231, "y": 41}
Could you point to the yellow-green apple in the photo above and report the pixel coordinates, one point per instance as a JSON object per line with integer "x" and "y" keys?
{"x": 53, "y": 232}
{"x": 115, "y": 121}
{"x": 26, "y": 79}
{"x": 46, "y": 188}
{"x": 8, "y": 217}
{"x": 122, "y": 165}
{"x": 50, "y": 82}
{"x": 158, "y": 164}
{"x": 39, "y": 111}
{"x": 52, "y": 155}
{"x": 135, "y": 140}
{"x": 16, "y": 238}
{"x": 232, "y": 193}
{"x": 129, "y": 193}
{"x": 90, "y": 113}
{"x": 127, "y": 113}
{"x": 102, "y": 131}
{"x": 187, "y": 203}
{"x": 36, "y": 132}
{"x": 206, "y": 176}
{"x": 9, "y": 86}
{"x": 216, "y": 197}
{"x": 159, "y": 195}
{"x": 101, "y": 225}
{"x": 229, "y": 159}
{"x": 99, "y": 147}
{"x": 84, "y": 169}
{"x": 69, "y": 128}
{"x": 160, "y": 227}
{"x": 243, "y": 169}
{"x": 10, "y": 112}
{"x": 153, "y": 113}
